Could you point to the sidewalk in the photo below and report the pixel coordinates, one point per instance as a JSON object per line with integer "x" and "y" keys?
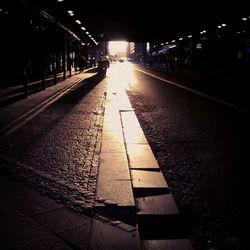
{"x": 30, "y": 220}
{"x": 11, "y": 94}
{"x": 132, "y": 202}
{"x": 13, "y": 114}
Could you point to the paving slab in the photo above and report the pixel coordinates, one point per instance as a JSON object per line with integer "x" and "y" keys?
{"x": 134, "y": 136}
{"x": 112, "y": 126}
{"x": 62, "y": 219}
{"x": 112, "y": 123}
{"x": 29, "y": 195}
{"x": 148, "y": 180}
{"x": 112, "y": 147}
{"x": 123, "y": 101}
{"x": 129, "y": 120}
{"x": 156, "y": 212}
{"x": 118, "y": 192}
{"x": 24, "y": 199}
{"x": 158, "y": 205}
{"x": 21, "y": 232}
{"x": 112, "y": 116}
{"x": 105, "y": 236}
{"x": 78, "y": 236}
{"x": 113, "y": 136}
{"x": 39, "y": 199}
{"x": 112, "y": 120}
{"x": 141, "y": 157}
{"x": 171, "y": 244}
{"x": 113, "y": 166}
{"x": 111, "y": 110}
{"x": 26, "y": 206}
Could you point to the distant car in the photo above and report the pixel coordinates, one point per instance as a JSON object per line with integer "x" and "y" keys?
{"x": 121, "y": 60}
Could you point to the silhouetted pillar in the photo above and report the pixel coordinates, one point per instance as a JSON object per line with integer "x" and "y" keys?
{"x": 64, "y": 51}
{"x": 43, "y": 75}
{"x": 69, "y": 60}
{"x": 69, "y": 64}
{"x": 54, "y": 69}
{"x": 42, "y": 70}
{"x": 25, "y": 83}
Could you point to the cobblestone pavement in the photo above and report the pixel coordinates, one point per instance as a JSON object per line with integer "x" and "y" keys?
{"x": 57, "y": 152}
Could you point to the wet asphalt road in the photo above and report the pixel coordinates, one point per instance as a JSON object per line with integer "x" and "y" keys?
{"x": 202, "y": 146}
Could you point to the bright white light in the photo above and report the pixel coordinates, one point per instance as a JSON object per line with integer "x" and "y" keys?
{"x": 199, "y": 46}
{"x": 59, "y": 1}
{"x": 78, "y": 21}
{"x": 244, "y": 19}
{"x": 71, "y": 13}
{"x": 83, "y": 28}
{"x": 87, "y": 32}
{"x": 223, "y": 25}
{"x": 180, "y": 38}
{"x": 117, "y": 46}
{"x": 173, "y": 41}
{"x": 190, "y": 36}
{"x": 219, "y": 26}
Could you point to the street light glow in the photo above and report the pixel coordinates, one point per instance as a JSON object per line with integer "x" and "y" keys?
{"x": 117, "y": 46}
{"x": 70, "y": 12}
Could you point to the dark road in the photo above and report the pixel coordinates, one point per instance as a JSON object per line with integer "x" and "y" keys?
{"x": 202, "y": 148}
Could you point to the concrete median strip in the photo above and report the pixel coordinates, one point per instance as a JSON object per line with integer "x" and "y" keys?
{"x": 114, "y": 193}
{"x": 114, "y": 188}
{"x": 131, "y": 184}
{"x": 141, "y": 157}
